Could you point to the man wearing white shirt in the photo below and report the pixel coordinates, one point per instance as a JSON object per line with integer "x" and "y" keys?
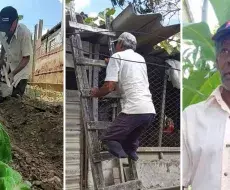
{"x": 127, "y": 69}
{"x": 16, "y": 43}
{"x": 206, "y": 129}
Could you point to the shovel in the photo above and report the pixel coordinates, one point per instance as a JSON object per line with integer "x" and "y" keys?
{"x": 6, "y": 76}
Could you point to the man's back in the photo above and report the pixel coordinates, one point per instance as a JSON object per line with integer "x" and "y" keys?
{"x": 133, "y": 82}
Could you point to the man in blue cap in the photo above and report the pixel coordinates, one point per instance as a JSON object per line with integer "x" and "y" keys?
{"x": 206, "y": 128}
{"x": 16, "y": 44}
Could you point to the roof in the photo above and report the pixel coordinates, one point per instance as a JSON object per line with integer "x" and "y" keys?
{"x": 150, "y": 28}
{"x": 51, "y": 31}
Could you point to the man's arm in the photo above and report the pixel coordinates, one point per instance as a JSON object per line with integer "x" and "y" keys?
{"x": 25, "y": 60}
{"x": 2, "y": 56}
{"x": 108, "y": 87}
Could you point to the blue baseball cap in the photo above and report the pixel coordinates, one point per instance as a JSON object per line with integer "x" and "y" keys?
{"x": 222, "y": 31}
{"x": 7, "y": 16}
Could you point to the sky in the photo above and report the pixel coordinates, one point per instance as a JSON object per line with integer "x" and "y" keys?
{"x": 196, "y": 9}
{"x": 33, "y": 10}
{"x": 93, "y": 7}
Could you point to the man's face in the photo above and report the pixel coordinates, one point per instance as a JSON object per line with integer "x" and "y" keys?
{"x": 223, "y": 63}
{"x": 119, "y": 46}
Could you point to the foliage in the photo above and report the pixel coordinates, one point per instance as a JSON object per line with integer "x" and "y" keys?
{"x": 101, "y": 17}
{"x": 9, "y": 178}
{"x": 5, "y": 147}
{"x": 165, "y": 7}
{"x": 198, "y": 58}
{"x": 171, "y": 45}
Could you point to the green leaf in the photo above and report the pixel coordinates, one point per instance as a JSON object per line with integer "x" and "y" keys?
{"x": 200, "y": 35}
{"x": 5, "y": 147}
{"x": 207, "y": 88}
{"x": 20, "y": 17}
{"x": 68, "y": 1}
{"x": 192, "y": 85}
{"x": 11, "y": 179}
{"x": 110, "y": 12}
{"x": 221, "y": 9}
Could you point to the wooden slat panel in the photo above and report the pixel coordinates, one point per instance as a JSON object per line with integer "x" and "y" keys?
{"x": 135, "y": 184}
{"x": 91, "y": 29}
{"x": 98, "y": 125}
{"x": 90, "y": 62}
{"x": 114, "y": 94}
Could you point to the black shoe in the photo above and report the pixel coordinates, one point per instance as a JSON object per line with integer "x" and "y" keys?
{"x": 116, "y": 149}
{"x": 2, "y": 99}
{"x": 133, "y": 156}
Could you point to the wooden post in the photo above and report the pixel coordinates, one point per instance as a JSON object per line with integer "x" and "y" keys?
{"x": 162, "y": 116}
{"x": 40, "y": 28}
{"x": 34, "y": 51}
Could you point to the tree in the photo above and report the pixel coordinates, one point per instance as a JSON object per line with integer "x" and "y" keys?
{"x": 199, "y": 78}
{"x": 168, "y": 8}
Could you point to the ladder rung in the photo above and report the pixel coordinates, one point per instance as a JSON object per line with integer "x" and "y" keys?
{"x": 91, "y": 29}
{"x": 98, "y": 125}
{"x": 86, "y": 93}
{"x": 102, "y": 156}
{"x": 90, "y": 62}
{"x": 134, "y": 185}
{"x": 170, "y": 188}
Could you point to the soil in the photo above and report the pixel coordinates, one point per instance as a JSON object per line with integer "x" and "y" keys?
{"x": 36, "y": 132}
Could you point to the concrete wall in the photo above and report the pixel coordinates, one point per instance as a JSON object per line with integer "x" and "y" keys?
{"x": 153, "y": 173}
{"x": 73, "y": 140}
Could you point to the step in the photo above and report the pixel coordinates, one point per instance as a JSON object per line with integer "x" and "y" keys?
{"x": 102, "y": 156}
{"x": 134, "y": 185}
{"x": 90, "y": 62}
{"x": 98, "y": 125}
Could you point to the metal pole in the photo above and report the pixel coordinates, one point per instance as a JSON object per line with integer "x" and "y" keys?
{"x": 162, "y": 116}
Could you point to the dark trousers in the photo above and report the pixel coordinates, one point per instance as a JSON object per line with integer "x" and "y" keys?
{"x": 20, "y": 88}
{"x": 127, "y": 129}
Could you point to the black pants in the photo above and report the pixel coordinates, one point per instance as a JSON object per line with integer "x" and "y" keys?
{"x": 127, "y": 129}
{"x": 20, "y": 88}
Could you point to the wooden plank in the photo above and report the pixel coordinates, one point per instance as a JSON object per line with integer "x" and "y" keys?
{"x": 90, "y": 62}
{"x": 102, "y": 156}
{"x": 170, "y": 188}
{"x": 157, "y": 149}
{"x": 133, "y": 170}
{"x": 96, "y": 70}
{"x": 91, "y": 29}
{"x": 116, "y": 176}
{"x": 86, "y": 93}
{"x": 90, "y": 138}
{"x": 130, "y": 185}
{"x": 98, "y": 125}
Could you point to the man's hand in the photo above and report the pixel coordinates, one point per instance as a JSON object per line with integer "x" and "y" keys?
{"x": 93, "y": 92}
{"x": 11, "y": 77}
{"x": 2, "y": 62}
{"x": 106, "y": 60}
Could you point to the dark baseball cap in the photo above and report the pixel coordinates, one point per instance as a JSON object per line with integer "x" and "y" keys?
{"x": 7, "y": 16}
{"x": 222, "y": 31}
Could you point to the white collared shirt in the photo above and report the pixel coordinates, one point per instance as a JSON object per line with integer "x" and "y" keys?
{"x": 133, "y": 82}
{"x": 20, "y": 46}
{"x": 206, "y": 140}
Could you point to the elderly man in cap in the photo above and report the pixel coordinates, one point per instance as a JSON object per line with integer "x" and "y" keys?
{"x": 127, "y": 69}
{"x": 206, "y": 129}
{"x": 16, "y": 43}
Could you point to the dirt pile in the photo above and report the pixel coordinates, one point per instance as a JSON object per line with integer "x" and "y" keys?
{"x": 36, "y": 132}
